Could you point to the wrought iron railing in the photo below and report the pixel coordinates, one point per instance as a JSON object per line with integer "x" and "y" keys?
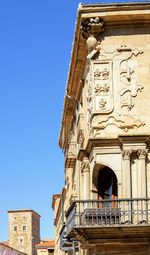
{"x": 108, "y": 213}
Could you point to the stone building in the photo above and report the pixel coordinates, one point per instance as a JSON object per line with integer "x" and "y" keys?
{"x": 45, "y": 247}
{"x": 24, "y": 230}
{"x": 104, "y": 207}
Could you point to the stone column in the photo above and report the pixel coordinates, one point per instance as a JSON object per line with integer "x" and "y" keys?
{"x": 142, "y": 185}
{"x": 86, "y": 178}
{"x": 126, "y": 174}
{"x": 142, "y": 192}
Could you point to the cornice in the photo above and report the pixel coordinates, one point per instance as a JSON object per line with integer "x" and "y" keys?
{"x": 120, "y": 141}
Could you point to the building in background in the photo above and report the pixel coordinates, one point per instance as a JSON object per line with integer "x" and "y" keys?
{"x": 104, "y": 207}
{"x": 7, "y": 250}
{"x": 58, "y": 220}
{"x": 24, "y": 230}
{"x": 45, "y": 247}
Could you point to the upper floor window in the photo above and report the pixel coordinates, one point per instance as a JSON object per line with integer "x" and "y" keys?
{"x": 24, "y": 228}
{"x": 15, "y": 228}
{"x": 107, "y": 184}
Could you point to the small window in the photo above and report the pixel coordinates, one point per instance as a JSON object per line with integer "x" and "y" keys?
{"x": 20, "y": 239}
{"x": 15, "y": 228}
{"x": 24, "y": 228}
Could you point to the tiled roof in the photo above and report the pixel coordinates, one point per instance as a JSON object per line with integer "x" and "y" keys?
{"x": 44, "y": 244}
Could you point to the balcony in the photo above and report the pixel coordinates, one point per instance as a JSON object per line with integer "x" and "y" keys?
{"x": 120, "y": 218}
{"x": 70, "y": 155}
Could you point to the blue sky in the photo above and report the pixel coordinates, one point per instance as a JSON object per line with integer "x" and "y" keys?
{"x": 35, "y": 46}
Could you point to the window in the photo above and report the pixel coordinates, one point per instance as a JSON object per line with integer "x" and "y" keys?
{"x": 20, "y": 239}
{"x": 15, "y": 228}
{"x": 24, "y": 228}
{"x": 107, "y": 184}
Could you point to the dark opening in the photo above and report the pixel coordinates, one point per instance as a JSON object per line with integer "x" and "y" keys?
{"x": 107, "y": 184}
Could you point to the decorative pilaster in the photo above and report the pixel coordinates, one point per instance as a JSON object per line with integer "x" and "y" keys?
{"x": 86, "y": 178}
{"x": 126, "y": 174}
{"x": 142, "y": 155}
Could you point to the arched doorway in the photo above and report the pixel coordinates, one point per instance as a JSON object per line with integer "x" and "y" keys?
{"x": 107, "y": 185}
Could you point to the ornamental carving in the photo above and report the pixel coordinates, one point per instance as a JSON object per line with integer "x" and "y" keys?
{"x": 103, "y": 87}
{"x": 126, "y": 154}
{"x": 89, "y": 102}
{"x": 129, "y": 78}
{"x": 101, "y": 74}
{"x": 119, "y": 65}
{"x": 125, "y": 123}
{"x": 85, "y": 166}
{"x": 92, "y": 26}
{"x": 80, "y": 137}
{"x": 102, "y": 103}
{"x": 90, "y": 29}
{"x": 142, "y": 154}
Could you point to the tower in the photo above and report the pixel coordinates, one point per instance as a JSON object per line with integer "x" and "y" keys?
{"x": 24, "y": 230}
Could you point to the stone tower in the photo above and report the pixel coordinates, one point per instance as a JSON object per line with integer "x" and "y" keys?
{"x": 24, "y": 230}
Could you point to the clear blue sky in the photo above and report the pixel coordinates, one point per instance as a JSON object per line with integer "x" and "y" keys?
{"x": 35, "y": 46}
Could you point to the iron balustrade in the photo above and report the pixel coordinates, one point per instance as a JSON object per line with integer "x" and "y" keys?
{"x": 108, "y": 213}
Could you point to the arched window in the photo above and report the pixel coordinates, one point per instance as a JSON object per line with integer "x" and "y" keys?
{"x": 107, "y": 184}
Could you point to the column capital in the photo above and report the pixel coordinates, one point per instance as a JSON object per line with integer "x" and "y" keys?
{"x": 126, "y": 154}
{"x": 85, "y": 165}
{"x": 142, "y": 153}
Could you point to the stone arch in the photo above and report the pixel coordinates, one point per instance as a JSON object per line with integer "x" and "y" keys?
{"x": 104, "y": 180}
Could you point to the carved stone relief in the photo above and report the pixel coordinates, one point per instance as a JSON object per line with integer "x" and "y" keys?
{"x": 126, "y": 154}
{"x": 85, "y": 166}
{"x": 142, "y": 154}
{"x": 100, "y": 95}
{"x": 89, "y": 100}
{"x": 122, "y": 122}
{"x": 129, "y": 79}
{"x": 103, "y": 92}
{"x": 80, "y": 137}
{"x": 138, "y": 154}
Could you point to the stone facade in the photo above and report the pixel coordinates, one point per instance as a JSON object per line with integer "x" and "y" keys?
{"x": 24, "y": 230}
{"x": 105, "y": 134}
